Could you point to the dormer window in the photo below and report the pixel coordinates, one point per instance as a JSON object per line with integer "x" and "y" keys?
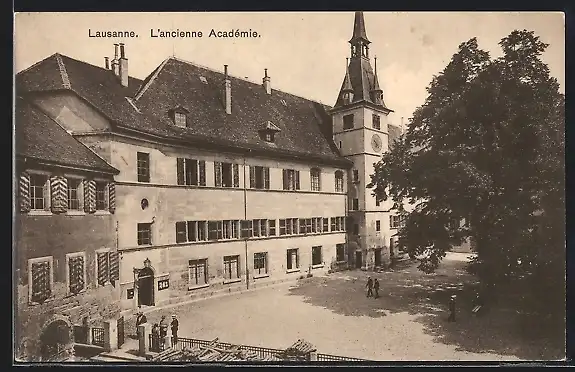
{"x": 203, "y": 80}
{"x": 267, "y": 133}
{"x": 179, "y": 117}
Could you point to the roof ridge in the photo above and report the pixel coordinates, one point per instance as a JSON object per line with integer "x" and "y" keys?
{"x": 244, "y": 79}
{"x": 155, "y": 74}
{"x": 63, "y": 72}
{"x": 37, "y": 63}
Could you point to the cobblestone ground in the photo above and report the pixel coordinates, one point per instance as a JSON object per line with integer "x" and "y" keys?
{"x": 408, "y": 321}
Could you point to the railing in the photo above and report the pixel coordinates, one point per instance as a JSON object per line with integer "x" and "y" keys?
{"x": 337, "y": 358}
{"x": 191, "y": 342}
{"x": 98, "y": 336}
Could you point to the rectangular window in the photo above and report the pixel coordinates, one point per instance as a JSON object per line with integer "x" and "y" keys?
{"x": 106, "y": 272}
{"x": 144, "y": 233}
{"x": 231, "y": 267}
{"x": 74, "y": 194}
{"x": 181, "y": 232}
{"x": 198, "y": 272}
{"x": 227, "y": 229}
{"x": 292, "y": 259}
{"x": 290, "y": 179}
{"x": 143, "y": 167}
{"x": 316, "y": 256}
{"x": 259, "y": 177}
{"x": 376, "y": 122}
{"x": 246, "y": 228}
{"x": 348, "y": 122}
{"x": 192, "y": 231}
{"x": 282, "y": 227}
{"x": 191, "y": 172}
{"x": 339, "y": 181}
{"x": 302, "y": 229}
{"x": 337, "y": 224}
{"x": 39, "y": 191}
{"x": 226, "y": 174}
{"x": 325, "y": 224}
{"x": 235, "y": 224}
{"x": 378, "y": 225}
{"x": 41, "y": 279}
{"x": 340, "y": 252}
{"x": 76, "y": 266}
{"x": 354, "y": 204}
{"x": 213, "y": 230}
{"x": 315, "y": 175}
{"x": 394, "y": 222}
{"x": 308, "y": 225}
{"x": 272, "y": 226}
{"x": 355, "y": 229}
{"x": 101, "y": 196}
{"x": 180, "y": 119}
{"x": 202, "y": 230}
{"x": 355, "y": 176}
{"x": 260, "y": 263}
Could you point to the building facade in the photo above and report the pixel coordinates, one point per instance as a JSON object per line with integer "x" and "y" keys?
{"x": 66, "y": 261}
{"x": 218, "y": 183}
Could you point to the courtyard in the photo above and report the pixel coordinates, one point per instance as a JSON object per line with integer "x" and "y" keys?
{"x": 408, "y": 321}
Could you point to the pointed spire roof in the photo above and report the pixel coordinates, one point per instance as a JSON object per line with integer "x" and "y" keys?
{"x": 376, "y": 87}
{"x": 346, "y": 87}
{"x": 359, "y": 28}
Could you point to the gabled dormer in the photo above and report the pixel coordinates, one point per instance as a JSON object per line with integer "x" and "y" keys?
{"x": 268, "y": 131}
{"x": 179, "y": 116}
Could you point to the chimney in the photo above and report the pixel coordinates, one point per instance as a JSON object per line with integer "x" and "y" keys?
{"x": 123, "y": 67}
{"x": 115, "y": 64}
{"x": 107, "y": 63}
{"x": 227, "y": 91}
{"x": 266, "y": 81}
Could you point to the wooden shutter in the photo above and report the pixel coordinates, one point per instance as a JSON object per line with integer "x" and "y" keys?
{"x": 252, "y": 177}
{"x": 296, "y": 176}
{"x": 112, "y": 196}
{"x": 236, "y": 170}
{"x": 180, "y": 170}
{"x": 89, "y": 196}
{"x": 114, "y": 266}
{"x": 202, "y": 171}
{"x": 285, "y": 179}
{"x": 76, "y": 272}
{"x": 24, "y": 192}
{"x": 192, "y": 171}
{"x": 40, "y": 286}
{"x": 59, "y": 194}
{"x": 266, "y": 178}
{"x": 218, "y": 174}
{"x": 103, "y": 271}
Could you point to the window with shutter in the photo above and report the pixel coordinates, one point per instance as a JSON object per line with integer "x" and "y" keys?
{"x": 58, "y": 194}
{"x": 89, "y": 196}
{"x": 218, "y": 174}
{"x": 252, "y": 177}
{"x": 180, "y": 170}
{"x": 181, "y": 233}
{"x": 112, "y": 197}
{"x": 114, "y": 267}
{"x": 198, "y": 272}
{"x": 202, "y": 171}
{"x": 231, "y": 267}
{"x": 236, "y": 169}
{"x": 191, "y": 166}
{"x": 24, "y": 192}
{"x": 296, "y": 180}
{"x": 103, "y": 271}
{"x": 37, "y": 185}
{"x": 41, "y": 281}
{"x": 266, "y": 178}
{"x": 76, "y": 273}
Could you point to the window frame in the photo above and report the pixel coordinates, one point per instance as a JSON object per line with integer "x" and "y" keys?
{"x": 346, "y": 121}
{"x": 204, "y": 263}
{"x": 84, "y": 273}
{"x": 376, "y": 121}
{"x": 291, "y": 179}
{"x": 289, "y": 263}
{"x": 31, "y": 261}
{"x": 227, "y": 263}
{"x": 106, "y": 192}
{"x": 97, "y": 267}
{"x": 149, "y": 224}
{"x": 315, "y": 179}
{"x": 339, "y": 181}
{"x": 265, "y": 265}
{"x": 377, "y": 225}
{"x": 183, "y": 117}
{"x": 45, "y": 192}
{"x": 321, "y": 263}
{"x": 143, "y": 177}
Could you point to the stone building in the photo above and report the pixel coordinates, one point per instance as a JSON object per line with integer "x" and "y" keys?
{"x": 66, "y": 262}
{"x": 221, "y": 183}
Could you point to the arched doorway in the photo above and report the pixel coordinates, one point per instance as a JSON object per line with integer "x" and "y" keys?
{"x": 146, "y": 286}
{"x": 56, "y": 340}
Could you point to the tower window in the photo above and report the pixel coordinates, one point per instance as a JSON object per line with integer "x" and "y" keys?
{"x": 376, "y": 122}
{"x": 180, "y": 119}
{"x": 348, "y": 122}
{"x": 355, "y": 176}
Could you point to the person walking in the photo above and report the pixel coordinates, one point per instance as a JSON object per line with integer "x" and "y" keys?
{"x": 452, "y": 309}
{"x": 174, "y": 325}
{"x": 140, "y": 319}
{"x": 156, "y": 337}
{"x": 163, "y": 331}
{"x": 369, "y": 286}
{"x": 376, "y": 287}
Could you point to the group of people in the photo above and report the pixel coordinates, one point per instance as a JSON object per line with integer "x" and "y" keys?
{"x": 160, "y": 330}
{"x": 372, "y": 287}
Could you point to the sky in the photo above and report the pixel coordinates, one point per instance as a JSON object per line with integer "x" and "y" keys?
{"x": 305, "y": 53}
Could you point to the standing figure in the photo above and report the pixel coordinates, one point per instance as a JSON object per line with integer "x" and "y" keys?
{"x": 163, "y": 331}
{"x": 156, "y": 337}
{"x": 174, "y": 325}
{"x": 369, "y": 286}
{"x": 376, "y": 287}
{"x": 452, "y": 309}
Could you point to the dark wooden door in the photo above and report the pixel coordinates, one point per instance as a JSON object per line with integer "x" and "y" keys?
{"x": 121, "y": 331}
{"x": 358, "y": 259}
{"x": 146, "y": 287}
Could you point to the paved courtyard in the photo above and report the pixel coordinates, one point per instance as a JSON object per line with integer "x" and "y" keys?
{"x": 408, "y": 321}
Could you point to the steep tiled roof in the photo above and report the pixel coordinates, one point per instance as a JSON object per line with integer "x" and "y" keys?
{"x": 303, "y": 123}
{"x": 40, "y": 138}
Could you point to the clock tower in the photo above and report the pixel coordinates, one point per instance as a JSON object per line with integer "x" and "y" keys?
{"x": 360, "y": 131}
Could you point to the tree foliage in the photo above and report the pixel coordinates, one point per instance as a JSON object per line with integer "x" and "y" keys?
{"x": 487, "y": 147}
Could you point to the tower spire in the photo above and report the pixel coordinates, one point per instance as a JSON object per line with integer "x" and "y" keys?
{"x": 376, "y": 91}
{"x": 359, "y": 41}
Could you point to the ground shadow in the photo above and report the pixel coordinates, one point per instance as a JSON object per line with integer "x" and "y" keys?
{"x": 501, "y": 330}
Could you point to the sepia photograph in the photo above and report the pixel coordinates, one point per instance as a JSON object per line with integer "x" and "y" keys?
{"x": 280, "y": 187}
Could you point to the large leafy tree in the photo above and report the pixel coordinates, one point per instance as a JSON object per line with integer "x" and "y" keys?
{"x": 486, "y": 148}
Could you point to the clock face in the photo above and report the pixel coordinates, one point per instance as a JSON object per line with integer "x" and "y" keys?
{"x": 376, "y": 143}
